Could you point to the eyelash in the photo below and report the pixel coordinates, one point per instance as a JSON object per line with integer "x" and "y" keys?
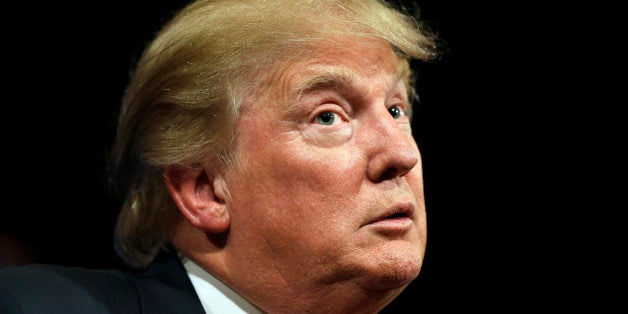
{"x": 327, "y": 115}
{"x": 328, "y": 111}
{"x": 399, "y": 110}
{"x": 396, "y": 111}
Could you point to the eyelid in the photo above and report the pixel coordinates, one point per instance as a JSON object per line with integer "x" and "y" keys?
{"x": 401, "y": 98}
{"x": 403, "y": 107}
{"x": 329, "y": 107}
{"x": 336, "y": 117}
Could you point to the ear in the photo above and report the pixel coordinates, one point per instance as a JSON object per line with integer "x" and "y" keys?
{"x": 200, "y": 197}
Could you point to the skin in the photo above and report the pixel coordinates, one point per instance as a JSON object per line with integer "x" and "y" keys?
{"x": 324, "y": 209}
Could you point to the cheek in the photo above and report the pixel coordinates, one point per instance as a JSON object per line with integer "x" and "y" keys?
{"x": 296, "y": 200}
{"x": 310, "y": 176}
{"x": 290, "y": 181}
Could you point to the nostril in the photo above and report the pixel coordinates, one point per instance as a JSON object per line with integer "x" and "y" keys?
{"x": 389, "y": 174}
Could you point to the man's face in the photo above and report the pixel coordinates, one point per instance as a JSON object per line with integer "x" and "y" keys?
{"x": 327, "y": 187}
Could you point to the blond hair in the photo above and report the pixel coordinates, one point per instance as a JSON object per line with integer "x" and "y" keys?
{"x": 181, "y": 106}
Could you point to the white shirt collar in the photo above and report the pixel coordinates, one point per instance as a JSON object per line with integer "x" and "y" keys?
{"x": 216, "y": 297}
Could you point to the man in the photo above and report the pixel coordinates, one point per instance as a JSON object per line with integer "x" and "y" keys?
{"x": 267, "y": 164}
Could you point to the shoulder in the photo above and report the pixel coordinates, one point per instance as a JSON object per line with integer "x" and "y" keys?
{"x": 41, "y": 288}
{"x": 164, "y": 287}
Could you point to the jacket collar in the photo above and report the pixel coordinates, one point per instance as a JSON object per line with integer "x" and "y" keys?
{"x": 166, "y": 288}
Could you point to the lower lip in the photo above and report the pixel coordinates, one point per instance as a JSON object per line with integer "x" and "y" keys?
{"x": 395, "y": 225}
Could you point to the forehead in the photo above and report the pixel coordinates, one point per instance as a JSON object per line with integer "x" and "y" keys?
{"x": 352, "y": 59}
{"x": 348, "y": 62}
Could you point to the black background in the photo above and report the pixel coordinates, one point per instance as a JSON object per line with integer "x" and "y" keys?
{"x": 519, "y": 128}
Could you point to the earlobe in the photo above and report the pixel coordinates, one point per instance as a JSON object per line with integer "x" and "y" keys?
{"x": 200, "y": 197}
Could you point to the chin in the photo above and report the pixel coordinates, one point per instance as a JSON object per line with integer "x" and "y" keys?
{"x": 398, "y": 276}
{"x": 395, "y": 270}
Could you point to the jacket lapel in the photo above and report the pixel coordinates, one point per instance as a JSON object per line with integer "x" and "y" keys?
{"x": 166, "y": 288}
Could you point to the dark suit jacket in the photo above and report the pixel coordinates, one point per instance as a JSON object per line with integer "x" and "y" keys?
{"x": 162, "y": 288}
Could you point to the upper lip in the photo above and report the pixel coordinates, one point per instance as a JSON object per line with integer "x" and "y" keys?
{"x": 398, "y": 209}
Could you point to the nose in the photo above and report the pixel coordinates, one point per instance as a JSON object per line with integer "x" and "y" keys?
{"x": 392, "y": 151}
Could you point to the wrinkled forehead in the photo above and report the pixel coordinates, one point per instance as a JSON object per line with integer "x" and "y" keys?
{"x": 355, "y": 60}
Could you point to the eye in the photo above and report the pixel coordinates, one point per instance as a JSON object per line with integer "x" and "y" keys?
{"x": 327, "y": 118}
{"x": 396, "y": 112}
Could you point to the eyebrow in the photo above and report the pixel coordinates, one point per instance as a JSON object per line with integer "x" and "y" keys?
{"x": 338, "y": 79}
{"x": 329, "y": 79}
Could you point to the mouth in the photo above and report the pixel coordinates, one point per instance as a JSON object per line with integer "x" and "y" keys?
{"x": 398, "y": 216}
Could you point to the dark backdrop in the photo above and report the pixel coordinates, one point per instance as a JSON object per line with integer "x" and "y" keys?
{"x": 518, "y": 129}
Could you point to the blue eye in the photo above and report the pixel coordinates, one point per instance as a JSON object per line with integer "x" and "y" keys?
{"x": 326, "y": 118}
{"x": 395, "y": 112}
